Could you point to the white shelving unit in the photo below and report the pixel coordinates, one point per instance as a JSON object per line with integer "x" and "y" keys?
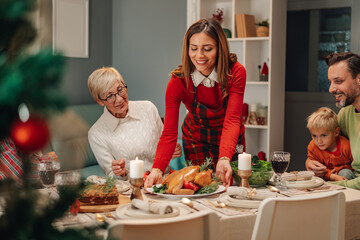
{"x": 251, "y": 52}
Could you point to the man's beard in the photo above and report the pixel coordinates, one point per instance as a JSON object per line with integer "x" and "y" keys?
{"x": 349, "y": 98}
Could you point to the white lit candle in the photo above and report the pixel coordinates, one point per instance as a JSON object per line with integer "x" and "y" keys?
{"x": 244, "y": 161}
{"x": 136, "y": 168}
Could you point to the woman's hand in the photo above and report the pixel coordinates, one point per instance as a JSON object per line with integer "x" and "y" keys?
{"x": 154, "y": 177}
{"x": 315, "y": 166}
{"x": 223, "y": 171}
{"x": 118, "y": 167}
{"x": 178, "y": 151}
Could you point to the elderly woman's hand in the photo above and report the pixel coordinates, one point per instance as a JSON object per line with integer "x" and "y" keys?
{"x": 154, "y": 177}
{"x": 118, "y": 167}
{"x": 223, "y": 171}
{"x": 178, "y": 151}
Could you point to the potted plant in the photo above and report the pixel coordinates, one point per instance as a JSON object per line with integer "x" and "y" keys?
{"x": 263, "y": 28}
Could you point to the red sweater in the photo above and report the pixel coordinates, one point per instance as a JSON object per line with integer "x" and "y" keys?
{"x": 330, "y": 160}
{"x": 177, "y": 92}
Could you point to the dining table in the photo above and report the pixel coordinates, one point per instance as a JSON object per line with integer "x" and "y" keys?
{"x": 233, "y": 222}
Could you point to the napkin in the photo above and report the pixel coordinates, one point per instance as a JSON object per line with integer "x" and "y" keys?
{"x": 153, "y": 207}
{"x": 297, "y": 176}
{"x": 252, "y": 194}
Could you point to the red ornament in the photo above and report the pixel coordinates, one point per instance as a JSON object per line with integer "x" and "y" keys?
{"x": 75, "y": 207}
{"x": 261, "y": 155}
{"x": 31, "y": 135}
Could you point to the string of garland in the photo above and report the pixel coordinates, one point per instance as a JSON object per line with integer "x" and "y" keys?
{"x": 32, "y": 79}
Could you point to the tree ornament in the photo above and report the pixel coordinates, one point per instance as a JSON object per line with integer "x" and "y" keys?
{"x": 31, "y": 135}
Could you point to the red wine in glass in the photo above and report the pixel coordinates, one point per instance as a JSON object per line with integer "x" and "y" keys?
{"x": 47, "y": 171}
{"x": 280, "y": 162}
{"x": 279, "y": 167}
{"x": 47, "y": 177}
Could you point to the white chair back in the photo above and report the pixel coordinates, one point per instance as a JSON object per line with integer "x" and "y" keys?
{"x": 318, "y": 216}
{"x": 195, "y": 226}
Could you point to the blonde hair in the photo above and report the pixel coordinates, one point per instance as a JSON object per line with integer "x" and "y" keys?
{"x": 323, "y": 118}
{"x": 102, "y": 79}
{"x": 225, "y": 59}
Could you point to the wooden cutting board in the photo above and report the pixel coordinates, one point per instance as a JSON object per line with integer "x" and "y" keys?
{"x": 104, "y": 208}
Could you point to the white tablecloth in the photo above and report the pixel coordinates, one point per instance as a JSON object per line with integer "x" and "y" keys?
{"x": 236, "y": 224}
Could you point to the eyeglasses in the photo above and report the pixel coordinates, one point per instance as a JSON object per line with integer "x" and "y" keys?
{"x": 111, "y": 98}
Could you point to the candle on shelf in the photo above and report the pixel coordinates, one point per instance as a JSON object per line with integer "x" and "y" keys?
{"x": 136, "y": 168}
{"x": 244, "y": 161}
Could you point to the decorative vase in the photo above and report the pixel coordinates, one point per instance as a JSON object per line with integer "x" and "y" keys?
{"x": 262, "y": 31}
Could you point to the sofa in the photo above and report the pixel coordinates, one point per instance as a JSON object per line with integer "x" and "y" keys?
{"x": 69, "y": 140}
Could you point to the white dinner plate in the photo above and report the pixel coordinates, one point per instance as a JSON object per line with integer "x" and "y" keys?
{"x": 314, "y": 182}
{"x": 220, "y": 189}
{"x": 127, "y": 211}
{"x": 240, "y": 203}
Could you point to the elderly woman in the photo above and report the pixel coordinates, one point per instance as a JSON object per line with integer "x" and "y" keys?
{"x": 126, "y": 129}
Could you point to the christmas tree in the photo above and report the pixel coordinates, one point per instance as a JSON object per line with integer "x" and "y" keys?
{"x": 30, "y": 80}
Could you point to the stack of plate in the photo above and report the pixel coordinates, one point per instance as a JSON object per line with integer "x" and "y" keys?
{"x": 299, "y": 180}
{"x": 127, "y": 211}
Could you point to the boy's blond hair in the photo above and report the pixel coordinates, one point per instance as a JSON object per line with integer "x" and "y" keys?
{"x": 323, "y": 118}
{"x": 102, "y": 79}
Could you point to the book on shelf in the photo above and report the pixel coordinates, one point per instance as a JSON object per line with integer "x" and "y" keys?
{"x": 245, "y": 25}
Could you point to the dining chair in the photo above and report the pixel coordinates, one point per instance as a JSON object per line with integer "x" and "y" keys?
{"x": 195, "y": 226}
{"x": 318, "y": 216}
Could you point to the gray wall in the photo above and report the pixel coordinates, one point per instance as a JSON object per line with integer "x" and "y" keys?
{"x": 77, "y": 71}
{"x": 147, "y": 42}
{"x": 298, "y": 106}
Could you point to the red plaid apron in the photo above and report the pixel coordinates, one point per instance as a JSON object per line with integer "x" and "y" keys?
{"x": 202, "y": 130}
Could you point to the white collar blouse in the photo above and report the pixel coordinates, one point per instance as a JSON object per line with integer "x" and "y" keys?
{"x": 208, "y": 81}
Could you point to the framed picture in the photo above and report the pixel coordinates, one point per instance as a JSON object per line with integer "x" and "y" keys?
{"x": 71, "y": 27}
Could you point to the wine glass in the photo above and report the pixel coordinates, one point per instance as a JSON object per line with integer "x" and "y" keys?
{"x": 68, "y": 181}
{"x": 280, "y": 162}
{"x": 47, "y": 171}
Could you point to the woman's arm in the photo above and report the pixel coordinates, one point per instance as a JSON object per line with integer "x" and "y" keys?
{"x": 168, "y": 139}
{"x": 101, "y": 151}
{"x": 232, "y": 121}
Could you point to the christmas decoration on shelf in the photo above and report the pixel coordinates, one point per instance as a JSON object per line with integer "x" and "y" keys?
{"x": 262, "y": 155}
{"x": 252, "y": 118}
{"x": 218, "y": 16}
{"x": 264, "y": 75}
{"x": 32, "y": 80}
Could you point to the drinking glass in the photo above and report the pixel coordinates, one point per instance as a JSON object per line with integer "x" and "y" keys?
{"x": 47, "y": 171}
{"x": 67, "y": 179}
{"x": 280, "y": 162}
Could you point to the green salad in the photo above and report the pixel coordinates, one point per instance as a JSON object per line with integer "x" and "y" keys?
{"x": 261, "y": 171}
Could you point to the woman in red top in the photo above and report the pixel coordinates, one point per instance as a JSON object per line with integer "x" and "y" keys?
{"x": 210, "y": 83}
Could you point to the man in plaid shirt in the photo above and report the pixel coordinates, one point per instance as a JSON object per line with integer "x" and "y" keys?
{"x": 11, "y": 165}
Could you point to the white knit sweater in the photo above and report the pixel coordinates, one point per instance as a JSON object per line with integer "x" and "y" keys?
{"x": 136, "y": 135}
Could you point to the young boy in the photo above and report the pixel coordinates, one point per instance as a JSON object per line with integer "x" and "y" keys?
{"x": 328, "y": 147}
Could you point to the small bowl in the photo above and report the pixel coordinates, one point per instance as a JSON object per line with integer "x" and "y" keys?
{"x": 258, "y": 177}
